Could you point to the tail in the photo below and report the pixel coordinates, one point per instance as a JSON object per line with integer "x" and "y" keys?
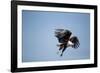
{"x": 75, "y": 42}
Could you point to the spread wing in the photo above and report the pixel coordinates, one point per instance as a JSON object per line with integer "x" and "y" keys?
{"x": 75, "y": 42}
{"x": 63, "y": 35}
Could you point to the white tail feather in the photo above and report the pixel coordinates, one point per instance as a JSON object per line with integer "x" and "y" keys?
{"x": 70, "y": 44}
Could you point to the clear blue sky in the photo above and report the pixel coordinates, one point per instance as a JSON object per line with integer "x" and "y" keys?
{"x": 39, "y": 42}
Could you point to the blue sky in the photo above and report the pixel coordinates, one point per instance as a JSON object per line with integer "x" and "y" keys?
{"x": 39, "y": 42}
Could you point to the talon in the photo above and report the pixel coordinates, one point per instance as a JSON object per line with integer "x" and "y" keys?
{"x": 61, "y": 55}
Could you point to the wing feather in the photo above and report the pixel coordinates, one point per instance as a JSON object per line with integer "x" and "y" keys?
{"x": 75, "y": 42}
{"x": 63, "y": 35}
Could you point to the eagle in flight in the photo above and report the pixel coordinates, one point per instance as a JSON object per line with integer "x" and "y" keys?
{"x": 66, "y": 39}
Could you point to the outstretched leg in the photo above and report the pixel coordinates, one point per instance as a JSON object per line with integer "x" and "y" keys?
{"x": 61, "y": 46}
{"x": 65, "y": 46}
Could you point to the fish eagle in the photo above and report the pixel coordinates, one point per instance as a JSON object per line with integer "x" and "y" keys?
{"x": 66, "y": 39}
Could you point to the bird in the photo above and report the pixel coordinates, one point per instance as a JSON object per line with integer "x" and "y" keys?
{"x": 66, "y": 39}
